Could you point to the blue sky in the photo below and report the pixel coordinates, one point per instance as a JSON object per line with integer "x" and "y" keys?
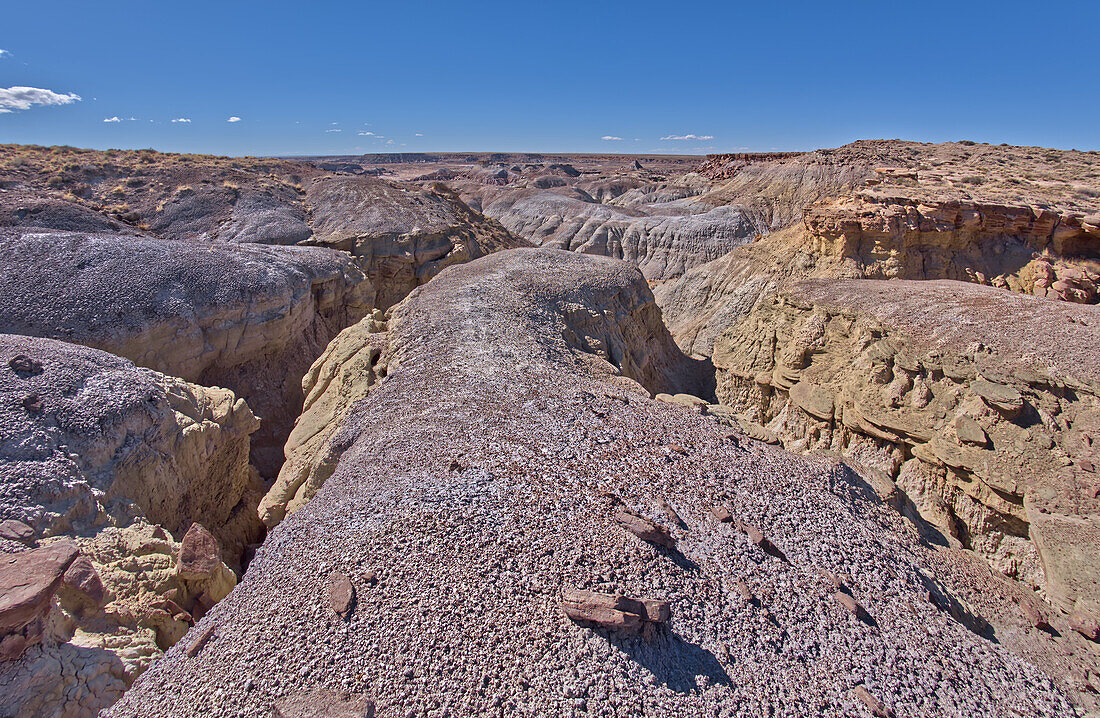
{"x": 349, "y": 77}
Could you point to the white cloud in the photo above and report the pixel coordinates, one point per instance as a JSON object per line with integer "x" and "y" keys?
{"x": 611, "y": 137}
{"x": 367, "y": 134}
{"x": 419, "y": 134}
{"x": 112, "y": 119}
{"x": 637, "y": 139}
{"x": 333, "y": 130}
{"x": 334, "y": 123}
{"x": 688, "y": 137}
{"x": 182, "y": 119}
{"x": 4, "y": 53}
{"x": 389, "y": 142}
{"x": 234, "y": 118}
{"x": 22, "y": 98}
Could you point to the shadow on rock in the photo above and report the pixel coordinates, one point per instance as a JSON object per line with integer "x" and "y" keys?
{"x": 675, "y": 662}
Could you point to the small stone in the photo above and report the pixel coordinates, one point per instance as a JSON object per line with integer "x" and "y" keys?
{"x": 1034, "y": 615}
{"x": 758, "y": 539}
{"x": 200, "y": 640}
{"x": 29, "y": 580}
{"x": 645, "y": 529}
{"x": 877, "y": 707}
{"x": 84, "y": 579}
{"x": 32, "y": 404}
{"x": 999, "y": 396}
{"x": 341, "y": 594}
{"x": 722, "y": 514}
{"x": 851, "y": 605}
{"x": 200, "y": 555}
{"x": 969, "y": 432}
{"x": 832, "y": 578}
{"x": 666, "y": 508}
{"x": 1085, "y": 624}
{"x": 24, "y": 366}
{"x": 13, "y": 530}
{"x": 613, "y": 611}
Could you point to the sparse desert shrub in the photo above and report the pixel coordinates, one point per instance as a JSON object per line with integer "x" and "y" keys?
{"x": 55, "y": 182}
{"x": 1088, "y": 192}
{"x": 968, "y": 143}
{"x": 119, "y": 191}
{"x": 973, "y": 179}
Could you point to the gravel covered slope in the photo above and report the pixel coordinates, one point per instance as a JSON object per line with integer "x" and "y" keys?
{"x": 480, "y": 480}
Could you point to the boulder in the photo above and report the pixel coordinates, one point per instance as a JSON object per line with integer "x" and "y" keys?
{"x": 200, "y": 555}
{"x": 30, "y": 579}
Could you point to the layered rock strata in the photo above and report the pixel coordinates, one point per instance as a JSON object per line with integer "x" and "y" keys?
{"x": 246, "y": 317}
{"x": 480, "y": 484}
{"x": 663, "y": 239}
{"x": 1017, "y": 247}
{"x": 976, "y": 407}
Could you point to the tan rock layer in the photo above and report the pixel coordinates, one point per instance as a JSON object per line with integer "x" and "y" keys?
{"x": 1022, "y": 248}
{"x": 352, "y": 364}
{"x": 994, "y": 449}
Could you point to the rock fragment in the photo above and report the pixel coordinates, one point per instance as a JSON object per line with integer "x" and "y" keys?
{"x": 666, "y": 508}
{"x": 341, "y": 594}
{"x": 1085, "y": 624}
{"x": 13, "y": 530}
{"x": 200, "y": 555}
{"x": 645, "y": 529}
{"x": 83, "y": 579}
{"x": 852, "y": 606}
{"x": 201, "y": 640}
{"x": 877, "y": 707}
{"x": 969, "y": 432}
{"x": 999, "y": 396}
{"x": 758, "y": 539}
{"x": 24, "y": 366}
{"x": 612, "y": 611}
{"x": 722, "y": 514}
{"x": 29, "y": 580}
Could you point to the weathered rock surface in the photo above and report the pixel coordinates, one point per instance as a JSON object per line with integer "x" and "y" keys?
{"x": 246, "y": 317}
{"x": 29, "y": 580}
{"x": 648, "y": 218}
{"x": 108, "y": 441}
{"x": 1018, "y": 247}
{"x": 400, "y": 236}
{"x": 479, "y": 483}
{"x": 980, "y": 406}
{"x": 352, "y": 364}
{"x": 105, "y": 450}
